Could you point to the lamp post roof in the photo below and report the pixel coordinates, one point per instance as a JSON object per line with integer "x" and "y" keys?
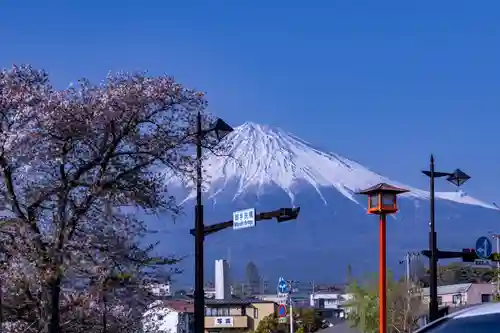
{"x": 383, "y": 187}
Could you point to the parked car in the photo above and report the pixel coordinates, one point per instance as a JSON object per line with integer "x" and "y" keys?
{"x": 478, "y": 319}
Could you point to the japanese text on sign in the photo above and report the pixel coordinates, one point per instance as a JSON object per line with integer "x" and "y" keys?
{"x": 244, "y": 219}
{"x": 224, "y": 321}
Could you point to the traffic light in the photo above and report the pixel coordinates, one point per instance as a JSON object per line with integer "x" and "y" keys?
{"x": 287, "y": 214}
{"x": 470, "y": 255}
{"x": 467, "y": 255}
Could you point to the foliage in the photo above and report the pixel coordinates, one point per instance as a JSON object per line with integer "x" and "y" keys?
{"x": 309, "y": 320}
{"x": 270, "y": 324}
{"x": 77, "y": 166}
{"x": 402, "y": 310}
{"x": 305, "y": 321}
{"x": 459, "y": 272}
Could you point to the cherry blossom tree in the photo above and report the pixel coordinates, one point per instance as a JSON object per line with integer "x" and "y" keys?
{"x": 76, "y": 167}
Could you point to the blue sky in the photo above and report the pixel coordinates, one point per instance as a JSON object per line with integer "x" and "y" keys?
{"x": 382, "y": 82}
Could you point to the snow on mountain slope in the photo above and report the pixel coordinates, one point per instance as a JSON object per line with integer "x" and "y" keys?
{"x": 262, "y": 155}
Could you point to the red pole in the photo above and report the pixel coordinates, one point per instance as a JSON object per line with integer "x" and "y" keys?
{"x": 382, "y": 283}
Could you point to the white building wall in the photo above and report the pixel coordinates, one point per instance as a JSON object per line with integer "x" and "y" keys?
{"x": 329, "y": 300}
{"x": 160, "y": 289}
{"x": 161, "y": 319}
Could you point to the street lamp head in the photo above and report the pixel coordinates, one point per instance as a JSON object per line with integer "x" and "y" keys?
{"x": 382, "y": 198}
{"x": 458, "y": 177}
{"x": 221, "y": 129}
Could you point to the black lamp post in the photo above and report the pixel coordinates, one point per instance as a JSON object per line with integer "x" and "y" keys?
{"x": 221, "y": 129}
{"x": 457, "y": 178}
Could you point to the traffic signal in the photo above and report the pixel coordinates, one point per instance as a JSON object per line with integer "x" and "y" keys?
{"x": 470, "y": 255}
{"x": 467, "y": 255}
{"x": 287, "y": 214}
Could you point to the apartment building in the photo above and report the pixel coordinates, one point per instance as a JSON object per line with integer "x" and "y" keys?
{"x": 236, "y": 316}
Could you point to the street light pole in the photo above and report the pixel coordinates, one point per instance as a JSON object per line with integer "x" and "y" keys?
{"x": 382, "y": 271}
{"x": 382, "y": 200}
{"x": 221, "y": 129}
{"x": 457, "y": 178}
{"x": 199, "y": 293}
{"x": 433, "y": 305}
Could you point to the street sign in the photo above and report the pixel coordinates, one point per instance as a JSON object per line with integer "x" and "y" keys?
{"x": 282, "y": 310}
{"x": 282, "y": 320}
{"x": 483, "y": 263}
{"x": 244, "y": 219}
{"x": 282, "y": 286}
{"x": 483, "y": 247}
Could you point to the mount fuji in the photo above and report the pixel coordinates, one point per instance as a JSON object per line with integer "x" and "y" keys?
{"x": 267, "y": 168}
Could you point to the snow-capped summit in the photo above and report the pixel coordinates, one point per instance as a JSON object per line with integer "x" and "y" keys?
{"x": 261, "y": 156}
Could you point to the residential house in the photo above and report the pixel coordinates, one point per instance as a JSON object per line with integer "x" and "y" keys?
{"x": 169, "y": 316}
{"x": 235, "y": 315}
{"x": 457, "y": 295}
{"x": 328, "y": 299}
{"x": 300, "y": 300}
{"x": 160, "y": 289}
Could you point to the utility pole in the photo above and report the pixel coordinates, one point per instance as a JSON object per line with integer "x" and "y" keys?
{"x": 497, "y": 237}
{"x": 408, "y": 258}
{"x": 290, "y": 301}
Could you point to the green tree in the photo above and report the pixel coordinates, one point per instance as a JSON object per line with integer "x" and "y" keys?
{"x": 364, "y": 307}
{"x": 270, "y": 324}
{"x": 308, "y": 320}
{"x": 305, "y": 321}
{"x": 402, "y": 307}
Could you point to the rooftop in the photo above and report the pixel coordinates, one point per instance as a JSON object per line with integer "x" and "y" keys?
{"x": 450, "y": 289}
{"x": 177, "y": 305}
{"x": 234, "y": 301}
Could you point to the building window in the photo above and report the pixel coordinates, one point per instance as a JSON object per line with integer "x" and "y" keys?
{"x": 440, "y": 300}
{"x": 256, "y": 313}
{"x": 486, "y": 298}
{"x": 217, "y": 312}
{"x": 223, "y": 312}
{"x": 457, "y": 299}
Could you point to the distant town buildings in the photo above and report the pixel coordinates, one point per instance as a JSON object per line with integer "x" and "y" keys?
{"x": 229, "y": 308}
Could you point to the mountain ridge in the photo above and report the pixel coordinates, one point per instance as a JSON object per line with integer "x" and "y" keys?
{"x": 262, "y": 155}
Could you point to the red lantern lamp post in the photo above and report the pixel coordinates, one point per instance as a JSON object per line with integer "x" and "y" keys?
{"x": 382, "y": 200}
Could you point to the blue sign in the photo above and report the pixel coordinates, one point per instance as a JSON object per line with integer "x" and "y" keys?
{"x": 483, "y": 247}
{"x": 282, "y": 286}
{"x": 244, "y": 219}
{"x": 282, "y": 310}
